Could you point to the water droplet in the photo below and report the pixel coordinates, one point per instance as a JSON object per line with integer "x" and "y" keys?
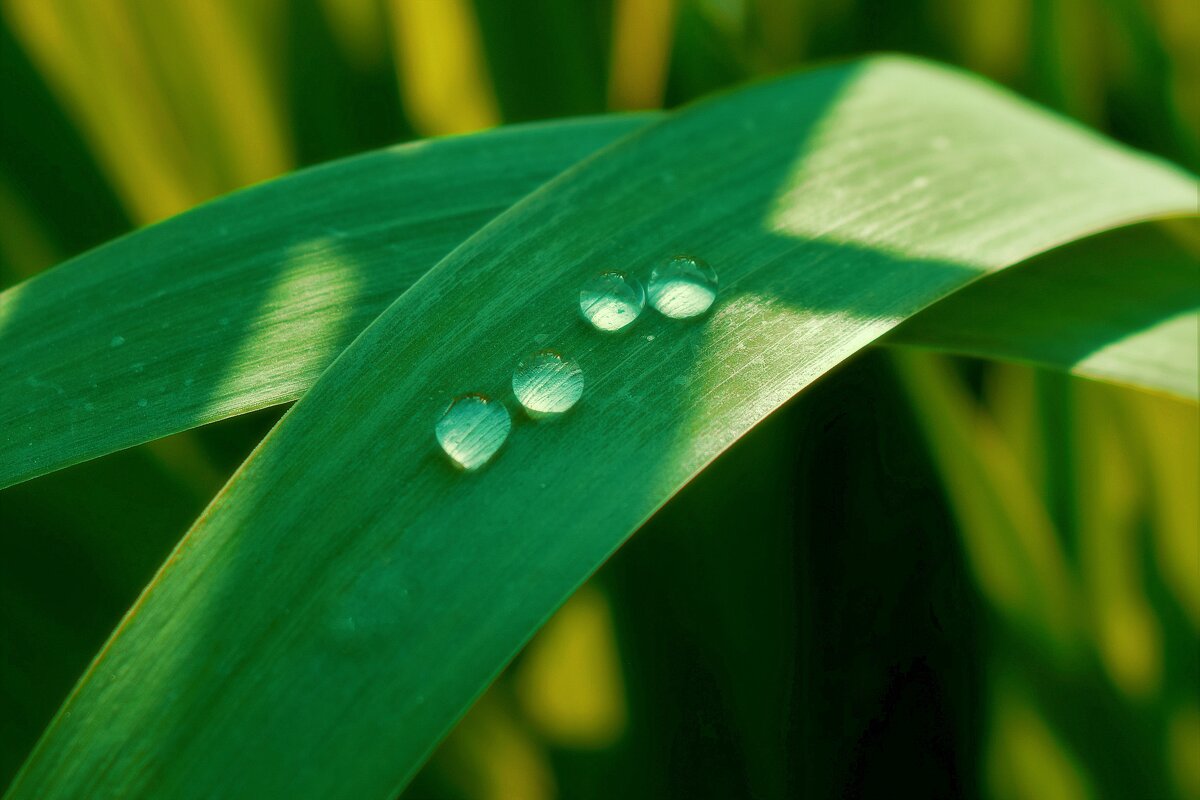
{"x": 611, "y": 301}
{"x": 116, "y": 341}
{"x": 683, "y": 287}
{"x": 472, "y": 429}
{"x": 143, "y": 403}
{"x": 547, "y": 384}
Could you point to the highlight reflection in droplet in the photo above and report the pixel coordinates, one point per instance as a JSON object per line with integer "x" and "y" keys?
{"x": 546, "y": 384}
{"x": 682, "y": 287}
{"x": 611, "y": 301}
{"x": 472, "y": 430}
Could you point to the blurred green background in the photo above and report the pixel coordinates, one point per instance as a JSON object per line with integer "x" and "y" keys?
{"x": 925, "y": 575}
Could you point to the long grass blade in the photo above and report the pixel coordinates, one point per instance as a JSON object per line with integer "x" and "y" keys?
{"x": 241, "y": 303}
{"x": 346, "y": 597}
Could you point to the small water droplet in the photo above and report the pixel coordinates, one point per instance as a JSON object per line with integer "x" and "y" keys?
{"x": 472, "y": 429}
{"x": 683, "y": 287}
{"x": 143, "y": 403}
{"x": 546, "y": 384}
{"x": 611, "y": 301}
{"x": 650, "y": 338}
{"x": 116, "y": 341}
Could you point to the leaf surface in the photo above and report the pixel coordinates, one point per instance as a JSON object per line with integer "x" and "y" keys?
{"x": 241, "y": 303}
{"x": 346, "y": 597}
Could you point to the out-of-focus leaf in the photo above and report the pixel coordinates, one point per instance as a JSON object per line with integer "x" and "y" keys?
{"x": 1009, "y": 539}
{"x": 546, "y": 58}
{"x": 440, "y": 67}
{"x": 138, "y": 81}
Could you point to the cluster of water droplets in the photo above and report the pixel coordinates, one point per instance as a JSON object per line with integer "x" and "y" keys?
{"x": 547, "y": 384}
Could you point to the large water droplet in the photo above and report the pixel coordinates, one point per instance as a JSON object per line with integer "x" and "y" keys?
{"x": 547, "y": 384}
{"x": 472, "y": 429}
{"x": 612, "y": 301}
{"x": 683, "y": 287}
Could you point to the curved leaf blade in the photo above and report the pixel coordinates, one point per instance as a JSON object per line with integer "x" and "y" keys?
{"x": 299, "y": 266}
{"x": 1122, "y": 307}
{"x": 241, "y": 303}
{"x": 341, "y": 602}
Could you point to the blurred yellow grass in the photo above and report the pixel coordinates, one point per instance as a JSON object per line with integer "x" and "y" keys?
{"x": 1177, "y": 22}
{"x": 360, "y": 29}
{"x": 1183, "y": 750}
{"x": 1109, "y": 506}
{"x": 991, "y": 37}
{"x": 24, "y": 245}
{"x": 1170, "y": 434}
{"x": 440, "y": 65}
{"x": 490, "y": 756}
{"x": 641, "y": 51}
{"x": 569, "y": 682}
{"x": 170, "y": 97}
{"x": 1009, "y": 539}
{"x": 1025, "y": 757}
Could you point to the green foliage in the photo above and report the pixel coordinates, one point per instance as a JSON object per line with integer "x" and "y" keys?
{"x": 403, "y": 596}
{"x": 989, "y": 589}
{"x": 243, "y": 302}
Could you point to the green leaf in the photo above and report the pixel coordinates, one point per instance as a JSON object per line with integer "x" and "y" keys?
{"x": 343, "y": 600}
{"x": 212, "y": 326}
{"x": 1118, "y": 307}
{"x": 242, "y": 302}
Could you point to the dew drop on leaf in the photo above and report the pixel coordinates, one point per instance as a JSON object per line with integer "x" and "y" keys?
{"x": 546, "y": 384}
{"x": 472, "y": 430}
{"x": 611, "y": 301}
{"x": 682, "y": 287}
